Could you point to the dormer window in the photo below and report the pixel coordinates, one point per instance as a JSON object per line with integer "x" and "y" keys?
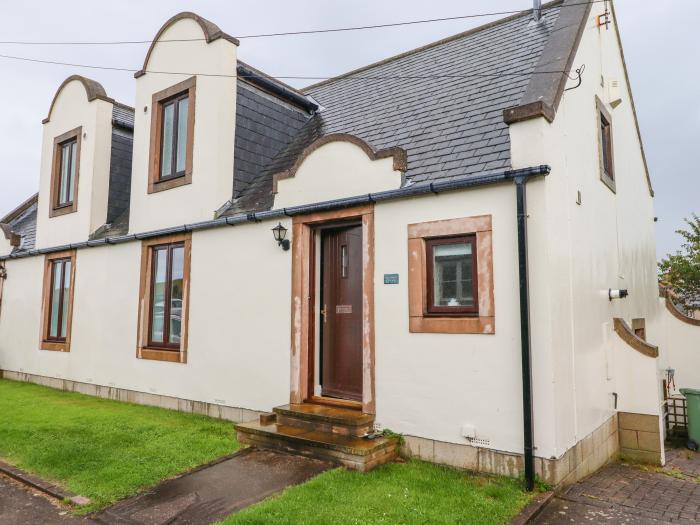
{"x": 174, "y": 139}
{"x": 64, "y": 173}
{"x": 172, "y": 128}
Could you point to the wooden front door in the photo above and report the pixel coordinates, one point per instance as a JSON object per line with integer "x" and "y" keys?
{"x": 341, "y": 313}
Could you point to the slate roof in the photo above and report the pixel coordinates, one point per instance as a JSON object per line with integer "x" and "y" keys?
{"x": 265, "y": 126}
{"x": 22, "y": 221}
{"x": 449, "y": 127}
{"x": 123, "y": 116}
{"x": 450, "y": 124}
{"x": 119, "y": 196}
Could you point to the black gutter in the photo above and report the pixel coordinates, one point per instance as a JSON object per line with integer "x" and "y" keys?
{"x": 468, "y": 181}
{"x": 271, "y": 86}
{"x": 526, "y": 355}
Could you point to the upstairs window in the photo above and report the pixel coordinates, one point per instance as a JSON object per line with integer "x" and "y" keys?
{"x": 172, "y": 128}
{"x": 605, "y": 146}
{"x": 64, "y": 173}
{"x": 66, "y": 178}
{"x": 452, "y": 277}
{"x": 174, "y": 137}
{"x": 58, "y": 301}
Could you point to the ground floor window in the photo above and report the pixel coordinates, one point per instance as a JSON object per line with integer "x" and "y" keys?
{"x": 59, "y": 274}
{"x": 450, "y": 276}
{"x": 165, "y": 267}
{"x": 165, "y": 316}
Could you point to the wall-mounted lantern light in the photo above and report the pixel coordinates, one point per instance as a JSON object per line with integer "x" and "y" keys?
{"x": 280, "y": 233}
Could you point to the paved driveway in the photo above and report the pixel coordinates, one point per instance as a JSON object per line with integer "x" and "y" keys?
{"x": 621, "y": 493}
{"x": 200, "y": 497}
{"x": 20, "y": 506}
{"x": 212, "y": 493}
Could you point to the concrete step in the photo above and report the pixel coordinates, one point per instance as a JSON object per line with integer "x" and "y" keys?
{"x": 352, "y": 452}
{"x": 322, "y": 418}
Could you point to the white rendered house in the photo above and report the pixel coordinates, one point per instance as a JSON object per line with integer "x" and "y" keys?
{"x": 455, "y": 227}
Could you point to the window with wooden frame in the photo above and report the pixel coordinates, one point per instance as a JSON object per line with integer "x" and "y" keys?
{"x": 164, "y": 293}
{"x": 57, "y": 304}
{"x": 64, "y": 173}
{"x": 605, "y": 145}
{"x": 450, "y": 276}
{"x": 172, "y": 134}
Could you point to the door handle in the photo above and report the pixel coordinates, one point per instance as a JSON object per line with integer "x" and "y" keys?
{"x": 324, "y": 313}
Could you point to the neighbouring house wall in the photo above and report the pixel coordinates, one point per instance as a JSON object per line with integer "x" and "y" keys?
{"x": 238, "y": 351}
{"x": 637, "y": 382}
{"x": 607, "y": 241}
{"x": 679, "y": 341}
{"x": 70, "y": 110}
{"x": 5, "y": 245}
{"x": 214, "y": 128}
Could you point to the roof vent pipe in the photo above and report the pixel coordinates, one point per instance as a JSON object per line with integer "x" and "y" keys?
{"x": 537, "y": 10}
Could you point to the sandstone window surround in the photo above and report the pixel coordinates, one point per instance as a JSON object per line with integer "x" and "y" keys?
{"x": 65, "y": 173}
{"x": 164, "y": 298}
{"x": 57, "y": 301}
{"x": 606, "y": 153}
{"x": 467, "y": 318}
{"x": 172, "y": 136}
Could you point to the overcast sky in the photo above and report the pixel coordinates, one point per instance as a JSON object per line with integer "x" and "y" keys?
{"x": 659, "y": 37}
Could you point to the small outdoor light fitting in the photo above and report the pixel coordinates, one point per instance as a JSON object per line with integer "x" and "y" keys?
{"x": 280, "y": 233}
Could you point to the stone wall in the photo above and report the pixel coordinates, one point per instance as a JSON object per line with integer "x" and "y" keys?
{"x": 235, "y": 414}
{"x": 640, "y": 438}
{"x": 585, "y": 457}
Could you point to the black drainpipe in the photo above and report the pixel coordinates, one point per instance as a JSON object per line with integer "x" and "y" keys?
{"x": 3, "y": 276}
{"x": 525, "y": 332}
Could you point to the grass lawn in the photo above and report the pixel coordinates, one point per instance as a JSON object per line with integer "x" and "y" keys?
{"x": 105, "y": 450}
{"x": 398, "y": 493}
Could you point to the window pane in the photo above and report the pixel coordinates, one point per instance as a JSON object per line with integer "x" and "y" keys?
{"x": 606, "y": 148}
{"x": 178, "y": 260}
{"x": 452, "y": 275}
{"x": 65, "y": 171}
{"x": 66, "y": 297}
{"x": 182, "y": 134}
{"x": 71, "y": 179}
{"x": 166, "y": 155}
{"x": 465, "y": 287}
{"x": 159, "y": 283}
{"x": 56, "y": 270}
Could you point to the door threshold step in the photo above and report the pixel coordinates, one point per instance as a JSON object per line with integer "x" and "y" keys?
{"x": 353, "y": 452}
{"x": 325, "y": 414}
{"x": 323, "y": 418}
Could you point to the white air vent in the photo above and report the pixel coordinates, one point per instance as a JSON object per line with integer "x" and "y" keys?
{"x": 479, "y": 442}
